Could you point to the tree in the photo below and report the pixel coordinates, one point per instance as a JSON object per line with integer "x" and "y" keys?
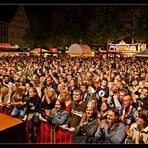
{"x": 70, "y": 27}
{"x": 107, "y": 25}
{"x": 141, "y": 31}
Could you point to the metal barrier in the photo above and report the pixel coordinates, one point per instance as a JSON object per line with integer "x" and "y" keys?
{"x": 11, "y": 127}
{"x": 50, "y": 134}
{"x": 6, "y": 110}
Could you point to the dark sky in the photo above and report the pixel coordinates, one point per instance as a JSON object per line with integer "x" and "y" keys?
{"x": 44, "y": 9}
{"x": 73, "y": 1}
{"x": 7, "y": 11}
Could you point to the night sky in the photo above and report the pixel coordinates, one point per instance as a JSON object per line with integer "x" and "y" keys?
{"x": 7, "y": 11}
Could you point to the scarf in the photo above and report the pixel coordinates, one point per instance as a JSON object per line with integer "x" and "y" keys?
{"x": 125, "y": 113}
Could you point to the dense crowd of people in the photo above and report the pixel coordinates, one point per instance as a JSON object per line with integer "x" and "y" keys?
{"x": 99, "y": 100}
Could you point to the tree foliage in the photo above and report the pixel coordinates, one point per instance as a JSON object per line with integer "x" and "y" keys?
{"x": 107, "y": 25}
{"x": 142, "y": 25}
{"x": 38, "y": 32}
{"x": 74, "y": 25}
{"x": 70, "y": 27}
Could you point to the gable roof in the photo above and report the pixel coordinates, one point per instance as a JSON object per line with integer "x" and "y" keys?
{"x": 7, "y": 12}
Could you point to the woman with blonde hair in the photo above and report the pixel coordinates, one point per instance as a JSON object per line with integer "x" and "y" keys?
{"x": 35, "y": 84}
{"x": 18, "y": 103}
{"x": 47, "y": 102}
{"x": 66, "y": 97}
{"x": 14, "y": 88}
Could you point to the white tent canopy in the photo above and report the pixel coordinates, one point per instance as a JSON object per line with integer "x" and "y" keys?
{"x": 79, "y": 49}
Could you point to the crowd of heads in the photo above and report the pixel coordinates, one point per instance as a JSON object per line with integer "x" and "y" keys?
{"x": 71, "y": 92}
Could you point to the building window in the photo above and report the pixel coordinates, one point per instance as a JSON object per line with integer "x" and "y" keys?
{"x": 12, "y": 34}
{"x": 5, "y": 32}
{"x": 127, "y": 29}
{"x": 128, "y": 17}
{"x": 136, "y": 15}
{"x": 18, "y": 35}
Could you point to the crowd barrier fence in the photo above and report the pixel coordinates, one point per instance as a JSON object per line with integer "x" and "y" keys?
{"x": 48, "y": 133}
